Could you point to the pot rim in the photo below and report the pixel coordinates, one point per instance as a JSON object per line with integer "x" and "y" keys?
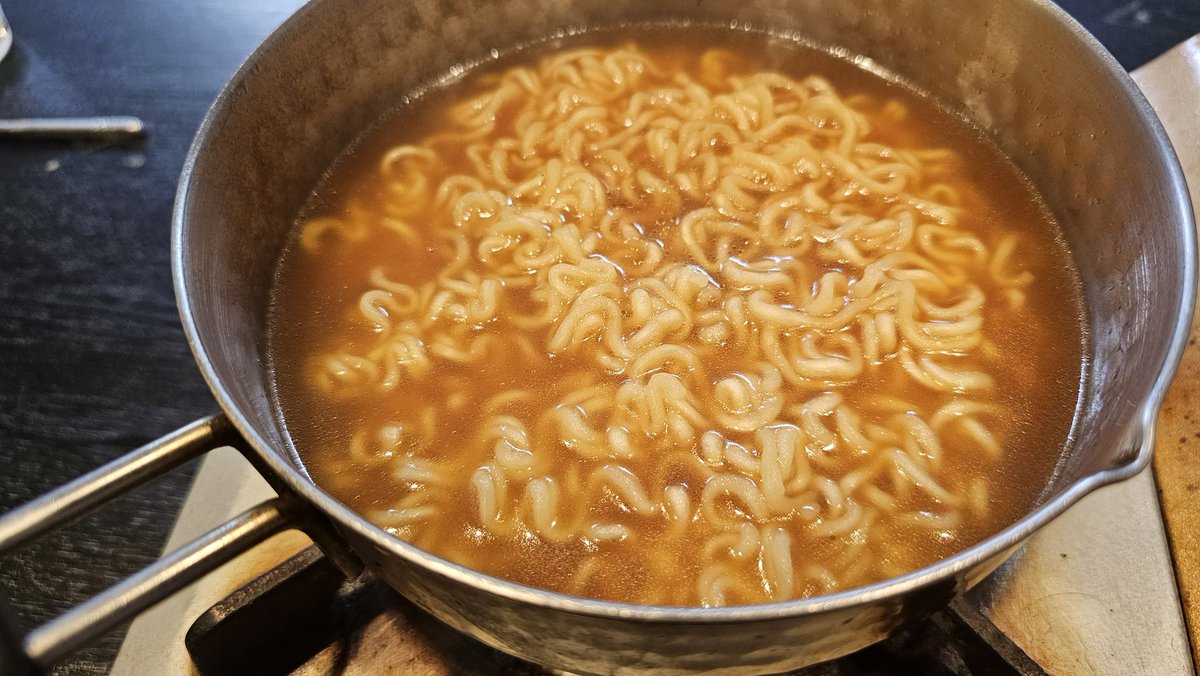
{"x": 1141, "y": 437}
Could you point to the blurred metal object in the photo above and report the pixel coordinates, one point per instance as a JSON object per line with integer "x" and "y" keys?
{"x": 111, "y": 127}
{"x": 6, "y": 38}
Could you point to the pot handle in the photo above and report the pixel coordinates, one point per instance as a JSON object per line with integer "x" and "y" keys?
{"x": 37, "y": 650}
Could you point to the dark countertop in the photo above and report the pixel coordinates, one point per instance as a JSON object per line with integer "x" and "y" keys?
{"x": 92, "y": 358}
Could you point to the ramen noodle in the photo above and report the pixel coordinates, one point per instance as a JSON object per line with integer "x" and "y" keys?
{"x": 669, "y": 323}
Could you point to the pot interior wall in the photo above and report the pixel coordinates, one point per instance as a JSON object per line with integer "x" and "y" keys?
{"x": 340, "y": 64}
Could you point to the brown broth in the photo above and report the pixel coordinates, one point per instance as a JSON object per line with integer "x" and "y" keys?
{"x": 1038, "y": 371}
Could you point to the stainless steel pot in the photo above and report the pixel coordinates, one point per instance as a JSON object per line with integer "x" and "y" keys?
{"x": 1031, "y": 77}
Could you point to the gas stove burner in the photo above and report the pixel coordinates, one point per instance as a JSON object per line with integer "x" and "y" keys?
{"x": 304, "y": 617}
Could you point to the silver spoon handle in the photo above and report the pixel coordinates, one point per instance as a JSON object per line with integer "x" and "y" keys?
{"x": 73, "y": 127}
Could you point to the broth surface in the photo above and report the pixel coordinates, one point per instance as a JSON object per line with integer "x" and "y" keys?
{"x": 411, "y": 448}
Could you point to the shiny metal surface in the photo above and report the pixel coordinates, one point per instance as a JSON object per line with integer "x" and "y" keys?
{"x": 72, "y": 128}
{"x": 51, "y": 642}
{"x": 1082, "y": 613}
{"x": 1073, "y": 580}
{"x": 91, "y": 491}
{"x": 1046, "y": 91}
{"x": 1068, "y": 597}
{"x": 1172, "y": 84}
{"x": 122, "y": 602}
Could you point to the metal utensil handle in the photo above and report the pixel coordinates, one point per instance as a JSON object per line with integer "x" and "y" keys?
{"x": 58, "y": 638}
{"x": 81, "y": 128}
